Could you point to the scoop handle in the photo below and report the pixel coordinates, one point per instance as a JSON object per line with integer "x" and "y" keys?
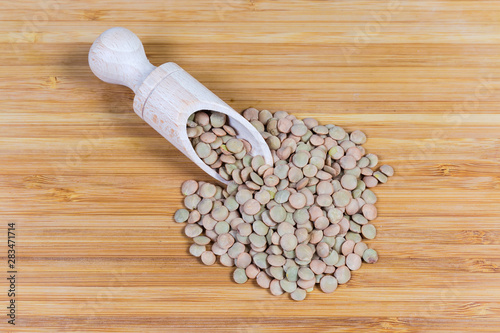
{"x": 117, "y": 56}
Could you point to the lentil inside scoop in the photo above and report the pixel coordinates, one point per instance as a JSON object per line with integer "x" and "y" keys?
{"x": 299, "y": 222}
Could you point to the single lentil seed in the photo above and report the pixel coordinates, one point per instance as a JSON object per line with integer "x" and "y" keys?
{"x": 369, "y": 231}
{"x": 370, "y": 256}
{"x": 328, "y": 284}
{"x": 380, "y": 177}
{"x": 196, "y": 250}
{"x": 288, "y": 286}
{"x": 353, "y": 261}
{"x": 251, "y": 207}
{"x": 297, "y": 200}
{"x": 288, "y": 242}
{"x": 298, "y": 294}
{"x": 189, "y": 187}
{"x": 181, "y": 215}
{"x": 387, "y": 170}
{"x": 208, "y": 258}
{"x": 239, "y": 275}
{"x": 342, "y": 274}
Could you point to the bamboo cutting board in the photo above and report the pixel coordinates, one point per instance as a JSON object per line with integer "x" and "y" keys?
{"x": 92, "y": 189}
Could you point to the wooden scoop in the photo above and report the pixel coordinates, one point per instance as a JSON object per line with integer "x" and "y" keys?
{"x": 165, "y": 96}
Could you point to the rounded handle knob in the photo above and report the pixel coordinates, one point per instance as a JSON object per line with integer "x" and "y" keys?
{"x": 117, "y": 56}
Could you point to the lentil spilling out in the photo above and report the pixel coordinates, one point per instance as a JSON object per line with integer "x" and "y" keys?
{"x": 291, "y": 225}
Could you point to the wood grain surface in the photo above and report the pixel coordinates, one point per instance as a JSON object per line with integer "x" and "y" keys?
{"x": 92, "y": 188}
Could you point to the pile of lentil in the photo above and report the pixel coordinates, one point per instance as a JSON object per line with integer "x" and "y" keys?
{"x": 290, "y": 225}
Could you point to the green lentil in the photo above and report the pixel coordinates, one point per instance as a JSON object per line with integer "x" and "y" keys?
{"x": 181, "y": 215}
{"x": 239, "y": 275}
{"x": 370, "y": 256}
{"x": 369, "y": 231}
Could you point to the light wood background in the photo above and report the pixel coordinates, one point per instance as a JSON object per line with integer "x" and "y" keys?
{"x": 92, "y": 189}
